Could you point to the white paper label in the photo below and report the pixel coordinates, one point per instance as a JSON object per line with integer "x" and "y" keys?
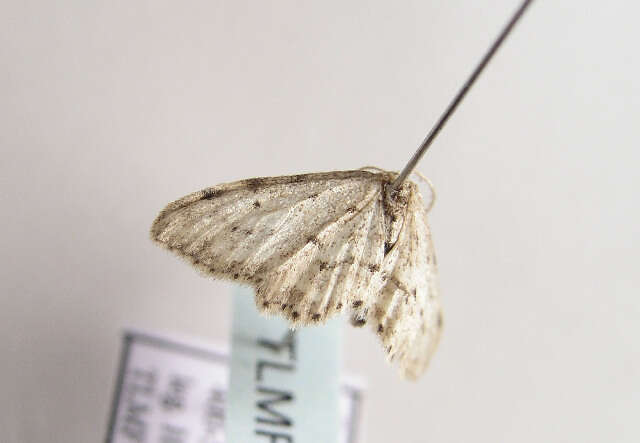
{"x": 174, "y": 391}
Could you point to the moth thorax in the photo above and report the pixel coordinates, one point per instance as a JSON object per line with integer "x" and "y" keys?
{"x": 395, "y": 208}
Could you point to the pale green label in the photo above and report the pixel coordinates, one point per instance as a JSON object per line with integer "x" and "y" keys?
{"x": 284, "y": 385}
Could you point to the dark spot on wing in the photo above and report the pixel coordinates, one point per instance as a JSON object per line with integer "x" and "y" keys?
{"x": 389, "y": 348}
{"x": 358, "y": 322}
{"x": 254, "y": 183}
{"x": 295, "y": 314}
{"x": 314, "y": 195}
{"x": 235, "y": 276}
{"x": 284, "y": 306}
{"x": 209, "y": 194}
{"x": 357, "y": 303}
{"x": 351, "y": 209}
{"x": 248, "y": 232}
{"x": 313, "y": 239}
{"x": 315, "y": 317}
{"x": 323, "y": 265}
{"x": 339, "y": 306}
{"x": 256, "y": 204}
{"x": 380, "y": 329}
{"x": 234, "y": 228}
{"x": 374, "y": 267}
{"x": 265, "y": 304}
{"x": 387, "y": 247}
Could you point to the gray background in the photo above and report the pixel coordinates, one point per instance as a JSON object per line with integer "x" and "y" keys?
{"x": 108, "y": 110}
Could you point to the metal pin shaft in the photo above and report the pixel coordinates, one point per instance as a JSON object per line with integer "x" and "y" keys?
{"x": 460, "y": 95}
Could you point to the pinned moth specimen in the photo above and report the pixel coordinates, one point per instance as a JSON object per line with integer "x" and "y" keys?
{"x": 314, "y": 245}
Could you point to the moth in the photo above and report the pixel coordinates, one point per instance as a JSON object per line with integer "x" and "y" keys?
{"x": 315, "y": 245}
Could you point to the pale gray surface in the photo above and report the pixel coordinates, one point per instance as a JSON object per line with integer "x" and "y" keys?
{"x": 109, "y": 110}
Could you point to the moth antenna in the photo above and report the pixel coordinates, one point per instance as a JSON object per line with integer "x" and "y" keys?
{"x": 429, "y": 183}
{"x": 375, "y": 168}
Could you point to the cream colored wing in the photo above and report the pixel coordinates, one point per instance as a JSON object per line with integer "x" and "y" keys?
{"x": 310, "y": 244}
{"x": 407, "y": 315}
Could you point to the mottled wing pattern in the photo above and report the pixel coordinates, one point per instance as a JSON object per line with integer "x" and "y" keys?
{"x": 407, "y": 314}
{"x": 310, "y": 244}
{"x": 316, "y": 244}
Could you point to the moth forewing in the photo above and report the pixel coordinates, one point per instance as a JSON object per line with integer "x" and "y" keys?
{"x": 313, "y": 245}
